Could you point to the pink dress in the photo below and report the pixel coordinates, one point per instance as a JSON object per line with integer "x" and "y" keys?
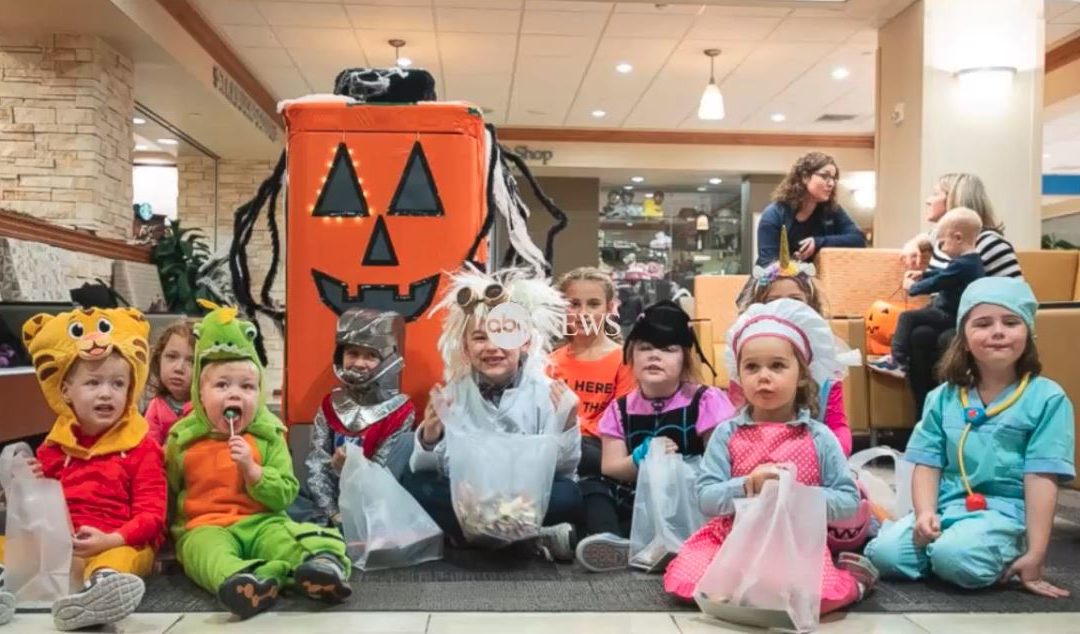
{"x": 161, "y": 417}
{"x": 750, "y": 446}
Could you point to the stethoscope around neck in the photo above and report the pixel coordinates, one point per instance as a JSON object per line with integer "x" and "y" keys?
{"x": 973, "y": 417}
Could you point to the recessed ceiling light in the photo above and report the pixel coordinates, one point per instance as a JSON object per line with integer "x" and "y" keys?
{"x": 141, "y": 148}
{"x": 649, "y": 195}
{"x": 624, "y": 68}
{"x": 168, "y": 141}
{"x": 703, "y": 189}
{"x": 627, "y": 187}
{"x": 404, "y": 62}
{"x": 637, "y": 179}
{"x": 715, "y": 181}
{"x": 840, "y": 72}
{"x": 138, "y": 120}
{"x": 778, "y": 117}
{"x": 1046, "y": 156}
{"x": 599, "y": 114}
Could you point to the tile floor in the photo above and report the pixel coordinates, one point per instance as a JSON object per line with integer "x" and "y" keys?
{"x": 610, "y": 623}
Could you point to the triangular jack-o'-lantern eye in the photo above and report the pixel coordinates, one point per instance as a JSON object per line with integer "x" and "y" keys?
{"x": 341, "y": 195}
{"x": 416, "y": 194}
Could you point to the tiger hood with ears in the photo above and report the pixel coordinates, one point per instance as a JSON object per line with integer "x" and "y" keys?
{"x": 56, "y": 342}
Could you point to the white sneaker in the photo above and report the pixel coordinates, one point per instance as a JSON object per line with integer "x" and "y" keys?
{"x": 109, "y": 598}
{"x": 557, "y": 542}
{"x": 606, "y": 552}
{"x": 7, "y": 607}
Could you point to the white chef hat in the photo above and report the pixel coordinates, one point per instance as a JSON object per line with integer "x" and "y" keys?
{"x": 827, "y": 357}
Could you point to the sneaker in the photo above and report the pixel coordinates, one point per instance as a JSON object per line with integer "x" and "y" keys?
{"x": 557, "y": 542}
{"x": 605, "y": 552}
{"x": 245, "y": 595}
{"x": 887, "y": 365}
{"x": 864, "y": 571}
{"x": 110, "y": 597}
{"x": 322, "y": 578}
{"x": 652, "y": 562}
{"x": 7, "y": 607}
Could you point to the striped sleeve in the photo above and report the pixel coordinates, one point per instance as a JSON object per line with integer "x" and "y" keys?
{"x": 998, "y": 256}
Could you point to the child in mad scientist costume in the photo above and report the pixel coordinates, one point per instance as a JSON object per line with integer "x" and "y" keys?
{"x": 92, "y": 366}
{"x": 231, "y": 477}
{"x": 367, "y": 410}
{"x": 502, "y": 390}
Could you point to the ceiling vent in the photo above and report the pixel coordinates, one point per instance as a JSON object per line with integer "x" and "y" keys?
{"x": 835, "y": 118}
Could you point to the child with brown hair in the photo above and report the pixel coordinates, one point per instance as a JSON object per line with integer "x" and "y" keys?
{"x": 590, "y": 361}
{"x": 170, "y": 378}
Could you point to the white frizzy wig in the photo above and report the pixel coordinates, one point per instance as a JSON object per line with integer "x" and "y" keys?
{"x": 545, "y": 304}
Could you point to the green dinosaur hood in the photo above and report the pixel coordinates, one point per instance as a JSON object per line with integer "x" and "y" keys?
{"x": 222, "y": 336}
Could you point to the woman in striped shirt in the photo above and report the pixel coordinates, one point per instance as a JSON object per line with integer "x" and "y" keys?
{"x": 998, "y": 259}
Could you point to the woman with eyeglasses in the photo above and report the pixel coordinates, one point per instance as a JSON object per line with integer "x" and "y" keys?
{"x": 805, "y": 204}
{"x": 927, "y": 343}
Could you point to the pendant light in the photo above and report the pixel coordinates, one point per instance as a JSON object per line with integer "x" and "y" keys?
{"x": 399, "y": 61}
{"x": 711, "y": 107}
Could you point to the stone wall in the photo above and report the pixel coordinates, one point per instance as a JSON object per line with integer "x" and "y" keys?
{"x": 235, "y": 184}
{"x": 66, "y": 103}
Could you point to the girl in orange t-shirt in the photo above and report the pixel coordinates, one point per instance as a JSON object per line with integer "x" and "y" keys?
{"x": 591, "y": 360}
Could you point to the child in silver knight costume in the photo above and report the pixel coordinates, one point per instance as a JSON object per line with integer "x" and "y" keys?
{"x": 367, "y": 410}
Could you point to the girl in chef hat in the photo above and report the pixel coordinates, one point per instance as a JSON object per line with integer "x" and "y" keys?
{"x": 779, "y": 352}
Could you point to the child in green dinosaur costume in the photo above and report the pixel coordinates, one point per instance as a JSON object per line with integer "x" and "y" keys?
{"x": 231, "y": 477}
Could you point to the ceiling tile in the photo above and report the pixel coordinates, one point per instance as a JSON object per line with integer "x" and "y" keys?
{"x": 477, "y": 21}
{"x": 242, "y": 36}
{"x": 738, "y": 29}
{"x": 218, "y": 13}
{"x": 648, "y": 25}
{"x": 747, "y": 11}
{"x": 320, "y": 67}
{"x": 265, "y": 57}
{"x": 569, "y": 5}
{"x": 864, "y": 37}
{"x": 658, "y": 8}
{"x": 286, "y": 83}
{"x": 482, "y": 54}
{"x": 303, "y": 14}
{"x": 390, "y": 3}
{"x": 317, "y": 39}
{"x": 1057, "y": 8}
{"x": 556, "y": 47}
{"x": 815, "y": 30}
{"x": 480, "y": 4}
{"x": 563, "y": 22}
{"x": 391, "y": 17}
{"x": 484, "y": 90}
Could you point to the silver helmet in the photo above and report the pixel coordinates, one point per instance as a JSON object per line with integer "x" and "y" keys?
{"x": 381, "y": 331}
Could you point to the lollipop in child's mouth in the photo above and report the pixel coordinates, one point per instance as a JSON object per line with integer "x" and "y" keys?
{"x": 232, "y": 415}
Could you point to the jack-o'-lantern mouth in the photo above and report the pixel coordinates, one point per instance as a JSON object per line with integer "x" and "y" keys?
{"x": 335, "y": 294}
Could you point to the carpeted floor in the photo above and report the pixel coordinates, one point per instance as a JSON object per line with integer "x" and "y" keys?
{"x": 474, "y": 581}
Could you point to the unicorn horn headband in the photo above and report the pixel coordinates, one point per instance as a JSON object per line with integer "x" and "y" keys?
{"x": 785, "y": 267}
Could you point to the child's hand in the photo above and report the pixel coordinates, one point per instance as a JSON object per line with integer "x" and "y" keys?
{"x": 90, "y": 541}
{"x": 756, "y": 480}
{"x": 240, "y": 452}
{"x": 670, "y": 446}
{"x": 558, "y": 388}
{"x": 913, "y": 275}
{"x": 908, "y": 283}
{"x": 1029, "y": 568}
{"x": 35, "y": 467}
{"x": 927, "y": 528}
{"x": 431, "y": 428}
{"x": 337, "y": 461}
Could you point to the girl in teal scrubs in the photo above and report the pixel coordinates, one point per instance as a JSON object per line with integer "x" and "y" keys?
{"x": 994, "y": 443}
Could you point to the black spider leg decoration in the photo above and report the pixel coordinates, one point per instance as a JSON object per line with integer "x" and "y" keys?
{"x": 552, "y": 208}
{"x": 244, "y": 220}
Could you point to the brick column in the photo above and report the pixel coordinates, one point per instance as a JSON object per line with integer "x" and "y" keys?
{"x": 66, "y": 103}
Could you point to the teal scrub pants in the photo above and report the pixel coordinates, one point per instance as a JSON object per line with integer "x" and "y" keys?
{"x": 973, "y": 551}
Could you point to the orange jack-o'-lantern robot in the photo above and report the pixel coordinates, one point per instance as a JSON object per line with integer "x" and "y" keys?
{"x": 388, "y": 191}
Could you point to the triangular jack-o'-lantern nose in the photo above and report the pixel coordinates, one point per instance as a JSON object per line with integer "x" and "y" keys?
{"x": 416, "y": 193}
{"x": 380, "y": 250}
{"x": 342, "y": 194}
